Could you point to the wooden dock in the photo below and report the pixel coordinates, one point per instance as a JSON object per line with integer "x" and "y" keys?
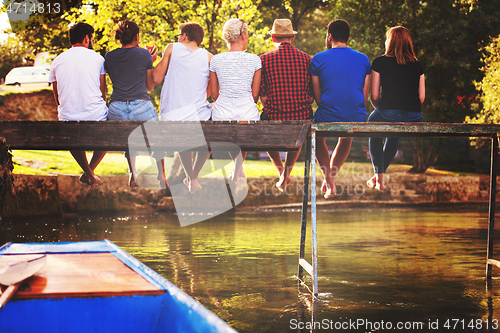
{"x": 248, "y": 136}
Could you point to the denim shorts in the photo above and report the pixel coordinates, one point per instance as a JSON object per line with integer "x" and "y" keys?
{"x": 395, "y": 116}
{"x": 133, "y": 110}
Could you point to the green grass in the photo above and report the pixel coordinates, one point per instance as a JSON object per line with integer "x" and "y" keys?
{"x": 46, "y": 162}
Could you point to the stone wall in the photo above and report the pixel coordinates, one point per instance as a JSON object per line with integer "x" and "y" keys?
{"x": 61, "y": 194}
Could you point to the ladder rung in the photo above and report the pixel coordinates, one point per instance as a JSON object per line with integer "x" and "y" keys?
{"x": 309, "y": 269}
{"x": 490, "y": 262}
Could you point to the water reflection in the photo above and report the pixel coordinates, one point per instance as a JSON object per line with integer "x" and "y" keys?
{"x": 390, "y": 265}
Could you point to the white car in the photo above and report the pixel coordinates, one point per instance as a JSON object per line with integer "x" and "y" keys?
{"x": 27, "y": 75}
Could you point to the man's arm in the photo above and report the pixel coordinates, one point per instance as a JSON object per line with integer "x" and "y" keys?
{"x": 375, "y": 88}
{"x": 161, "y": 69}
{"x": 316, "y": 88}
{"x": 54, "y": 89}
{"x": 102, "y": 80}
{"x": 366, "y": 88}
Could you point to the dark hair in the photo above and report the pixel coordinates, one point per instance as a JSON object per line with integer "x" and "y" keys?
{"x": 399, "y": 45}
{"x": 340, "y": 30}
{"x": 125, "y": 31}
{"x": 193, "y": 31}
{"x": 78, "y": 32}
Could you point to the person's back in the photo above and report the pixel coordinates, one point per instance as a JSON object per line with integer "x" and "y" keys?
{"x": 79, "y": 85}
{"x": 184, "y": 69}
{"x": 342, "y": 73}
{"x": 341, "y": 80}
{"x": 286, "y": 83}
{"x": 77, "y": 72}
{"x": 285, "y": 89}
{"x": 127, "y": 68}
{"x": 184, "y": 92}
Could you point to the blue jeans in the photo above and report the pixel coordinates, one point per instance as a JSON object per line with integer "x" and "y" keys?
{"x": 383, "y": 154}
{"x": 133, "y": 110}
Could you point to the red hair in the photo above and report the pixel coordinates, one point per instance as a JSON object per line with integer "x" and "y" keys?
{"x": 399, "y": 45}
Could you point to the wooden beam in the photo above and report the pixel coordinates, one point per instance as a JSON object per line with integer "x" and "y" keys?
{"x": 406, "y": 130}
{"x": 116, "y": 135}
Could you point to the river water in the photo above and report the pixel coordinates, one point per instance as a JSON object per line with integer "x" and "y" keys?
{"x": 414, "y": 268}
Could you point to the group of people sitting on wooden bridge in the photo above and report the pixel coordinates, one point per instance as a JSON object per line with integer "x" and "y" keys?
{"x": 286, "y": 80}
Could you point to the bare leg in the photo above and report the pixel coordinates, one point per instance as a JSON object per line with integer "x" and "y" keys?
{"x": 201, "y": 158}
{"x": 323, "y": 158}
{"x": 96, "y": 159}
{"x": 291, "y": 158}
{"x": 276, "y": 159}
{"x": 132, "y": 179}
{"x": 187, "y": 163}
{"x": 340, "y": 155}
{"x": 379, "y": 177}
{"x": 160, "y": 165}
{"x": 81, "y": 158}
{"x": 238, "y": 171}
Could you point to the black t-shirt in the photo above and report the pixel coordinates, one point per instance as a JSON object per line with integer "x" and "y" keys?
{"x": 399, "y": 84}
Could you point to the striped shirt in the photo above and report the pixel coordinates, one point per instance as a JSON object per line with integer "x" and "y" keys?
{"x": 235, "y": 71}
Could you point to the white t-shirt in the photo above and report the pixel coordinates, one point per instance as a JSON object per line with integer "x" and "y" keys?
{"x": 235, "y": 71}
{"x": 77, "y": 72}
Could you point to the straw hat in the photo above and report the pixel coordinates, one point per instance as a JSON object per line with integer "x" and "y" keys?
{"x": 282, "y": 28}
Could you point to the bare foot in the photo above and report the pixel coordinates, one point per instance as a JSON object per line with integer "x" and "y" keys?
{"x": 83, "y": 178}
{"x": 132, "y": 181}
{"x": 193, "y": 185}
{"x": 282, "y": 184}
{"x": 380, "y": 186}
{"x": 323, "y": 186}
{"x": 330, "y": 192}
{"x": 94, "y": 181}
{"x": 371, "y": 183}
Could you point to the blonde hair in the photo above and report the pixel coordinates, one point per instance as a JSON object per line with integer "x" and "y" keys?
{"x": 399, "y": 45}
{"x": 233, "y": 29}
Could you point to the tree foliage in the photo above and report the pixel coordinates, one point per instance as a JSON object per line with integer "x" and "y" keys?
{"x": 309, "y": 18}
{"x": 489, "y": 86}
{"x": 12, "y": 54}
{"x": 45, "y": 30}
{"x": 159, "y": 20}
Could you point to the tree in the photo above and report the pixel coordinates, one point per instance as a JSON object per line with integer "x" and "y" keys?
{"x": 309, "y": 18}
{"x": 45, "y": 29}
{"x": 489, "y": 86}
{"x": 447, "y": 36}
{"x": 12, "y": 54}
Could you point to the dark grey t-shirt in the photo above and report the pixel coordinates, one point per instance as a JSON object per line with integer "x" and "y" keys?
{"x": 127, "y": 69}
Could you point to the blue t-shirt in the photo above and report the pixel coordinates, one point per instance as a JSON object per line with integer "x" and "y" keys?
{"x": 342, "y": 72}
{"x": 127, "y": 69}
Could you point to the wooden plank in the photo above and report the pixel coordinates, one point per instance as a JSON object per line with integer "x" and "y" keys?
{"x": 307, "y": 266}
{"x": 406, "y": 130}
{"x": 81, "y": 275}
{"x": 114, "y": 135}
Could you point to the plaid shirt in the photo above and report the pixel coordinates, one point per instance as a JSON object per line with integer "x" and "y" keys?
{"x": 286, "y": 84}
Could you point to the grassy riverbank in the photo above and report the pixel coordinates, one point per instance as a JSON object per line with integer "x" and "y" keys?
{"x": 40, "y": 162}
